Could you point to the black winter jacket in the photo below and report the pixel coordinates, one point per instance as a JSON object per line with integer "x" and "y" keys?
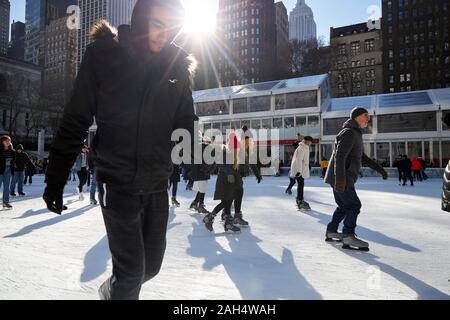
{"x": 137, "y": 102}
{"x": 23, "y": 159}
{"x": 3, "y": 162}
{"x": 348, "y": 156}
{"x": 446, "y": 189}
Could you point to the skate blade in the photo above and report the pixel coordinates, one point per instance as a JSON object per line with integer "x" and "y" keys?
{"x": 232, "y": 232}
{"x": 348, "y": 247}
{"x": 333, "y": 240}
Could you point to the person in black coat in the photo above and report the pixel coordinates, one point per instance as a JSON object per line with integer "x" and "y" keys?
{"x": 228, "y": 186}
{"x": 445, "y": 204}
{"x": 342, "y": 174}
{"x": 139, "y": 93}
{"x": 22, "y": 160}
{"x": 405, "y": 167}
{"x": 173, "y": 182}
{"x": 29, "y": 172}
{"x": 201, "y": 174}
{"x": 7, "y": 166}
{"x": 397, "y": 164}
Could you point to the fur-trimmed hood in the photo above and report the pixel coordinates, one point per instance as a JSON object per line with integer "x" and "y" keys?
{"x": 178, "y": 57}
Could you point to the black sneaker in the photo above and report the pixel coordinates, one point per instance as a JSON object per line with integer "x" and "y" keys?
{"x": 13, "y": 194}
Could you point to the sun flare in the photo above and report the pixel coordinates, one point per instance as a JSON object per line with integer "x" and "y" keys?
{"x": 200, "y": 16}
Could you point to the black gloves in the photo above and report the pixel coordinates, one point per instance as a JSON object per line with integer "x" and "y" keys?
{"x": 231, "y": 178}
{"x": 53, "y": 197}
{"x": 297, "y": 175}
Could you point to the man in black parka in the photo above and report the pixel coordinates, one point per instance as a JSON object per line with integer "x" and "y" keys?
{"x": 446, "y": 178}
{"x": 342, "y": 174}
{"x": 139, "y": 93}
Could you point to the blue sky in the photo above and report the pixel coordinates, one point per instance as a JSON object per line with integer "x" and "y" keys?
{"x": 327, "y": 13}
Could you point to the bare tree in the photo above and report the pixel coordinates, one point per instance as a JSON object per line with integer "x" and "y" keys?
{"x": 309, "y": 57}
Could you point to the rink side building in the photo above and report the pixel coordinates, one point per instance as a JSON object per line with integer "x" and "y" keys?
{"x": 401, "y": 123}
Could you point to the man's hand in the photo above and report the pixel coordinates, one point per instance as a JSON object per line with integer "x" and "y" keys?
{"x": 231, "y": 178}
{"x": 53, "y": 197}
{"x": 339, "y": 186}
{"x": 297, "y": 175}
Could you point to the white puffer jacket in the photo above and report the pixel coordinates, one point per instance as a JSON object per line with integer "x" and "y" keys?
{"x": 300, "y": 161}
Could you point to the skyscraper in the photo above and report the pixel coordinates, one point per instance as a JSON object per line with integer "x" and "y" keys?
{"x": 16, "y": 49}
{"x": 4, "y": 25}
{"x": 247, "y": 38}
{"x": 116, "y": 12}
{"x": 60, "y": 61}
{"x": 39, "y": 14}
{"x": 282, "y": 32}
{"x": 301, "y": 22}
{"x": 416, "y": 49}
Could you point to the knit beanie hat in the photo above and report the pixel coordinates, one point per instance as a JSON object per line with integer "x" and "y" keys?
{"x": 356, "y": 112}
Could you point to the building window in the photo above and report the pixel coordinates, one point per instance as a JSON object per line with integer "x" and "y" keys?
{"x": 355, "y": 48}
{"x": 342, "y": 49}
{"x": 240, "y": 106}
{"x": 407, "y": 122}
{"x": 369, "y": 45}
{"x": 213, "y": 108}
{"x": 257, "y": 104}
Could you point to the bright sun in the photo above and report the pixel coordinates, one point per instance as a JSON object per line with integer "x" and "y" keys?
{"x": 200, "y": 16}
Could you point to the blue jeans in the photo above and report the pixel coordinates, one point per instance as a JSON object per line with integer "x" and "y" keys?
{"x": 5, "y": 179}
{"x": 348, "y": 209}
{"x": 93, "y": 184}
{"x": 17, "y": 179}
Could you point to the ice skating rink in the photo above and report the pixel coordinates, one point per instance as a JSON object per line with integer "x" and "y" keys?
{"x": 282, "y": 255}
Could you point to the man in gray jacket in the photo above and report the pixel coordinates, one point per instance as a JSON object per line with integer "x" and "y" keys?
{"x": 342, "y": 174}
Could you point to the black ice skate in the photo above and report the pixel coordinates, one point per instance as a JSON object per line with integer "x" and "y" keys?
{"x": 175, "y": 202}
{"x": 94, "y": 202}
{"x": 288, "y": 191}
{"x": 202, "y": 209}
{"x": 239, "y": 220}
{"x": 194, "y": 206}
{"x": 21, "y": 194}
{"x": 230, "y": 227}
{"x": 208, "y": 220}
{"x": 303, "y": 205}
{"x": 351, "y": 242}
{"x": 333, "y": 236}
